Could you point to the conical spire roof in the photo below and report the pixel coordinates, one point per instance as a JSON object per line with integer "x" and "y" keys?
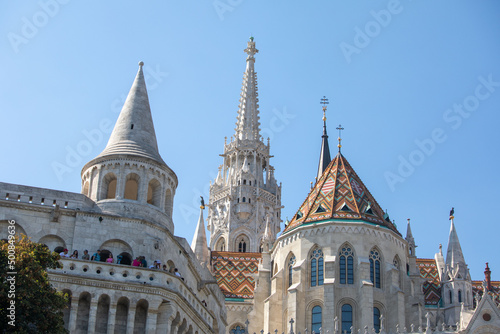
{"x": 324, "y": 155}
{"x": 247, "y": 124}
{"x": 454, "y": 255}
{"x": 134, "y": 132}
{"x": 339, "y": 194}
{"x": 199, "y": 243}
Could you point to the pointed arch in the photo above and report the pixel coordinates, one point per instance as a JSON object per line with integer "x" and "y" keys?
{"x": 316, "y": 266}
{"x": 290, "y": 262}
{"x": 220, "y": 245}
{"x": 346, "y": 264}
{"x": 242, "y": 243}
{"x": 375, "y": 257}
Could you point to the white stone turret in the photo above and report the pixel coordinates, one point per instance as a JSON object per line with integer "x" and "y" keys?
{"x": 129, "y": 176}
{"x": 199, "y": 243}
{"x": 245, "y": 191}
{"x": 456, "y": 284}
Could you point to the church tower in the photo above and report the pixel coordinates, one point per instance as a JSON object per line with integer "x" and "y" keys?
{"x": 245, "y": 193}
{"x": 456, "y": 284}
{"x": 129, "y": 177}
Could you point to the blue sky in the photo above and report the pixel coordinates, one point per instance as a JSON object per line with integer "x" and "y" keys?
{"x": 415, "y": 84}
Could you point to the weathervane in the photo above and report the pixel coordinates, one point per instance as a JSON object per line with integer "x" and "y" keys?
{"x": 340, "y": 128}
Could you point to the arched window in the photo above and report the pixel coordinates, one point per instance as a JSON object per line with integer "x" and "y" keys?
{"x": 131, "y": 186}
{"x": 242, "y": 246}
{"x": 244, "y": 199}
{"x": 238, "y": 330}
{"x": 376, "y": 319}
{"x": 375, "y": 268}
{"x": 316, "y": 317}
{"x": 317, "y": 270}
{"x": 346, "y": 265}
{"x": 346, "y": 318}
{"x": 221, "y": 245}
{"x": 459, "y": 296}
{"x": 154, "y": 192}
{"x": 244, "y": 181}
{"x": 451, "y": 297}
{"x": 291, "y": 263}
{"x": 108, "y": 186}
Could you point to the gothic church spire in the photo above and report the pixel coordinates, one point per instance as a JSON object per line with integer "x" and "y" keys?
{"x": 247, "y": 124}
{"x": 324, "y": 155}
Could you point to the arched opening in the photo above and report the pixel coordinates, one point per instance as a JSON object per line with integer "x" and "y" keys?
{"x": 105, "y": 255}
{"x": 346, "y": 264}
{"x": 376, "y": 319}
{"x": 316, "y": 316}
{"x": 169, "y": 203}
{"x": 108, "y": 186}
{"x": 101, "y": 323}
{"x": 116, "y": 246}
{"x": 242, "y": 244}
{"x": 4, "y": 229}
{"x": 154, "y": 192}
{"x": 375, "y": 262}
{"x": 67, "y": 309}
{"x": 131, "y": 186}
{"x": 82, "y": 317}
{"x": 141, "y": 313}
{"x": 459, "y": 296}
{"x": 121, "y": 315}
{"x": 124, "y": 258}
{"x": 170, "y": 266}
{"x": 220, "y": 245}
{"x": 346, "y": 318}
{"x": 54, "y": 242}
{"x": 317, "y": 268}
{"x": 85, "y": 189}
{"x": 291, "y": 263}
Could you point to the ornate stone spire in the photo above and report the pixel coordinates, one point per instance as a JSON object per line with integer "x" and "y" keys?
{"x": 134, "y": 132}
{"x": 454, "y": 254}
{"x": 199, "y": 243}
{"x": 247, "y": 124}
{"x": 410, "y": 239}
{"x": 324, "y": 155}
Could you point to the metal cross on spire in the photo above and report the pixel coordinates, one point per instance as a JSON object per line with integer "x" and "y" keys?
{"x": 324, "y": 102}
{"x": 340, "y": 128}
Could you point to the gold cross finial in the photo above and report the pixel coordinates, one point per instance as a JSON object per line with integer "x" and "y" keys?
{"x": 324, "y": 102}
{"x": 340, "y": 128}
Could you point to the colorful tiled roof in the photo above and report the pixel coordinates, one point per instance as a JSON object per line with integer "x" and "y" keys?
{"x": 432, "y": 286}
{"x": 233, "y": 272}
{"x": 340, "y": 194}
{"x": 477, "y": 288}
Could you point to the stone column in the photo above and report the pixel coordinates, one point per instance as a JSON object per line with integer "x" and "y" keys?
{"x": 120, "y": 183}
{"x": 92, "y": 317}
{"x": 111, "y": 318}
{"x": 73, "y": 314}
{"x": 131, "y": 320}
{"x": 151, "y": 321}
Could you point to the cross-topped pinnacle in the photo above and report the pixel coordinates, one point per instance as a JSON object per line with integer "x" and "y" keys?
{"x": 324, "y": 102}
{"x": 251, "y": 50}
{"x": 340, "y": 128}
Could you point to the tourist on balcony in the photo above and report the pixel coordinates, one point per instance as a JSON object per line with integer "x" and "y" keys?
{"x": 74, "y": 255}
{"x": 153, "y": 266}
{"x": 110, "y": 258}
{"x": 96, "y": 256}
{"x": 64, "y": 253}
{"x": 144, "y": 263}
{"x": 136, "y": 262}
{"x": 85, "y": 255}
{"x": 165, "y": 267}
